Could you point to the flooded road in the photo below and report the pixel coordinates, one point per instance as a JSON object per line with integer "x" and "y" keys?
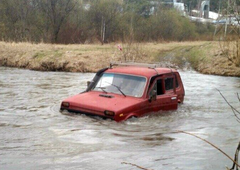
{"x": 35, "y": 135}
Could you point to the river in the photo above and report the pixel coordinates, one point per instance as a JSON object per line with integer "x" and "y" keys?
{"x": 35, "y": 135}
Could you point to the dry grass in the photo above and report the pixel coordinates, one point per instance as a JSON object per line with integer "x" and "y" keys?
{"x": 74, "y": 58}
{"x": 90, "y": 58}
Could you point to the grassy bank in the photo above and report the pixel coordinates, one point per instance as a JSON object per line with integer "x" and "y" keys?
{"x": 206, "y": 58}
{"x": 203, "y": 56}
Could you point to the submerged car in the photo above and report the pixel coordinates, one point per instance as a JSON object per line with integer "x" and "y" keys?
{"x": 123, "y": 91}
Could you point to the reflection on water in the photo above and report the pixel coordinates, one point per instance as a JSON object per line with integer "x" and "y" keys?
{"x": 35, "y": 135}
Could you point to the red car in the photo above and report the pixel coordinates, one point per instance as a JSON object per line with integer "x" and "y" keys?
{"x": 122, "y": 92}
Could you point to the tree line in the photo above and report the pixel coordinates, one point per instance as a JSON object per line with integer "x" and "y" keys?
{"x": 87, "y": 21}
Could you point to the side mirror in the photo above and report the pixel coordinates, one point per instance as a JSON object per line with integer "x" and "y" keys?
{"x": 153, "y": 96}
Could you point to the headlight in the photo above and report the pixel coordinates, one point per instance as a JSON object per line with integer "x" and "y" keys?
{"x": 65, "y": 104}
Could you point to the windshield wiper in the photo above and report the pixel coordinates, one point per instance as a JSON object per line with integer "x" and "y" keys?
{"x": 119, "y": 89}
{"x": 102, "y": 88}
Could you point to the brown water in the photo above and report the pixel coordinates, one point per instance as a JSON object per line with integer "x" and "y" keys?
{"x": 35, "y": 135}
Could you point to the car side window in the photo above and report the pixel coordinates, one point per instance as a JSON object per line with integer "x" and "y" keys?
{"x": 158, "y": 87}
{"x": 169, "y": 80}
{"x": 169, "y": 83}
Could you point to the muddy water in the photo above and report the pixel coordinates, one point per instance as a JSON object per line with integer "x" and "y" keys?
{"x": 35, "y": 135}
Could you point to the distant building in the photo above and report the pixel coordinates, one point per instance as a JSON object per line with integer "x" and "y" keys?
{"x": 204, "y": 9}
{"x": 177, "y": 4}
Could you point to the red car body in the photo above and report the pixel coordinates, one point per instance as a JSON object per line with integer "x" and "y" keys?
{"x": 145, "y": 90}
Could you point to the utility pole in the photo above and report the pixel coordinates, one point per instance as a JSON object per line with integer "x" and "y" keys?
{"x": 227, "y": 16}
{"x": 230, "y": 15}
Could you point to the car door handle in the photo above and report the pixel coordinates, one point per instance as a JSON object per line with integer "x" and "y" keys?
{"x": 174, "y": 98}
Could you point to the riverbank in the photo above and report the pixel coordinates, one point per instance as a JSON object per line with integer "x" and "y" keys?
{"x": 202, "y": 56}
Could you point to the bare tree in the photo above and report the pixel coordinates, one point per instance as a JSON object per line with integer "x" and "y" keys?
{"x": 237, "y": 115}
{"x": 230, "y": 39}
{"x": 104, "y": 16}
{"x": 57, "y": 12}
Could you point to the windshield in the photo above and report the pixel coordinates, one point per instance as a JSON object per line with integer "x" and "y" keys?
{"x": 121, "y": 84}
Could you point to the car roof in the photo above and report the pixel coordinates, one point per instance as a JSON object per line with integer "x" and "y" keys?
{"x": 140, "y": 71}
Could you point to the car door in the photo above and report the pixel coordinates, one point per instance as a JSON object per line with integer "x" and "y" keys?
{"x": 169, "y": 81}
{"x": 166, "y": 98}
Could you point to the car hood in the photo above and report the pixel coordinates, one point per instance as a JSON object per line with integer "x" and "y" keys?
{"x": 99, "y": 101}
